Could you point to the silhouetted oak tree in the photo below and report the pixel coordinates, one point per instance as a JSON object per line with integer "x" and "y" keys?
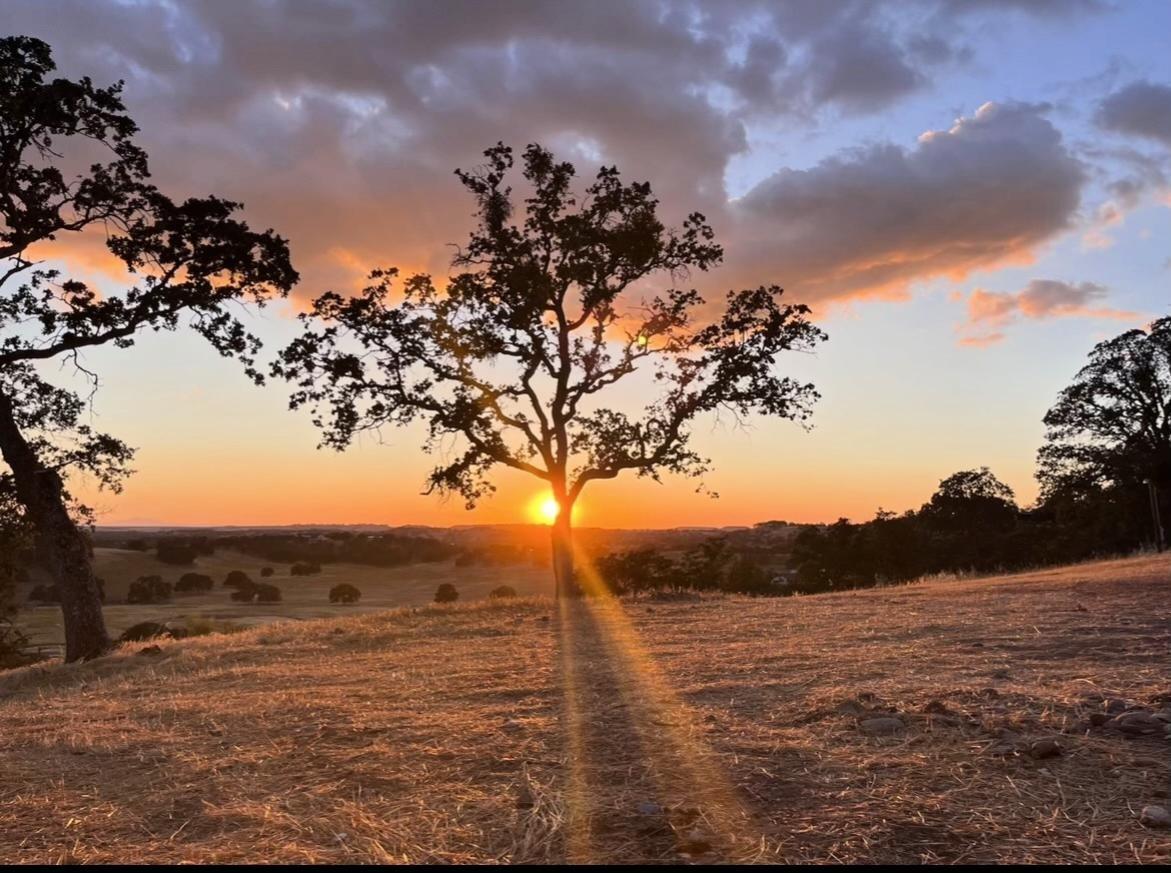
{"x": 516, "y": 357}
{"x": 1111, "y": 428}
{"x": 68, "y": 164}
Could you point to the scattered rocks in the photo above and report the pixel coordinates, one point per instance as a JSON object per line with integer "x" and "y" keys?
{"x": 1155, "y": 817}
{"x": 1138, "y": 723}
{"x": 882, "y": 725}
{"x": 1047, "y": 747}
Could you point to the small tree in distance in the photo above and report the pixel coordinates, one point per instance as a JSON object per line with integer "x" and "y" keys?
{"x": 516, "y": 356}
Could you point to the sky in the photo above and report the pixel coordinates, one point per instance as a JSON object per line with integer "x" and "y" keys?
{"x": 969, "y": 194}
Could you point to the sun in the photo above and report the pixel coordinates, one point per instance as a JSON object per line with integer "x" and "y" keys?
{"x": 545, "y": 509}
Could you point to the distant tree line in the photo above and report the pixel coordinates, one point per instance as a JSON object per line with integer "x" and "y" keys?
{"x": 1105, "y": 476}
{"x": 375, "y": 550}
{"x": 709, "y": 566}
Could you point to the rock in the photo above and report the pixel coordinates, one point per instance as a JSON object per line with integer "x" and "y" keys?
{"x": 1097, "y": 719}
{"x": 1155, "y": 817}
{"x": 1163, "y": 715}
{"x": 851, "y": 707}
{"x": 524, "y": 798}
{"x": 1114, "y": 705}
{"x": 695, "y": 842}
{"x": 150, "y": 650}
{"x": 1137, "y": 724}
{"x": 882, "y": 725}
{"x": 977, "y": 645}
{"x": 1047, "y": 747}
{"x": 1002, "y": 749}
{"x": 144, "y": 630}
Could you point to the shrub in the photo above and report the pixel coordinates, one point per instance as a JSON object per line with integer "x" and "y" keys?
{"x": 148, "y": 589}
{"x": 267, "y": 593}
{"x": 12, "y": 645}
{"x": 745, "y": 576}
{"x": 237, "y": 579}
{"x": 174, "y": 552}
{"x": 305, "y": 568}
{"x": 245, "y": 593}
{"x": 45, "y": 594}
{"x": 344, "y": 593}
{"x": 136, "y": 546}
{"x": 265, "y": 572}
{"x": 502, "y": 592}
{"x": 144, "y": 630}
{"x": 446, "y": 593}
{"x": 190, "y": 583}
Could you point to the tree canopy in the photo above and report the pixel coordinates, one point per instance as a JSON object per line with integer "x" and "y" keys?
{"x": 71, "y": 174}
{"x": 1112, "y": 425}
{"x": 547, "y": 311}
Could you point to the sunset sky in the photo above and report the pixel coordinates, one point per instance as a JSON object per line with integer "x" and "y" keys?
{"x": 969, "y": 193}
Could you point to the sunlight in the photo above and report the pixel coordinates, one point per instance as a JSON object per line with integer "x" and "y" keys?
{"x": 543, "y": 509}
{"x": 680, "y": 763}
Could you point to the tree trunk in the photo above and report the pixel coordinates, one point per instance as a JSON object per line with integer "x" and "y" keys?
{"x": 563, "y": 556}
{"x": 61, "y": 547}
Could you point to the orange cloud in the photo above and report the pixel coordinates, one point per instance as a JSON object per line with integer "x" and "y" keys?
{"x": 1040, "y": 299}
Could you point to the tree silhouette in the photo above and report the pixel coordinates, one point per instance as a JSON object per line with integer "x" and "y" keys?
{"x": 1111, "y": 428}
{"x": 516, "y": 356}
{"x": 68, "y": 164}
{"x": 972, "y": 501}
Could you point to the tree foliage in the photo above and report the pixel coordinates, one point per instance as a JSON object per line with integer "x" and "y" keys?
{"x": 71, "y": 174}
{"x": 1109, "y": 433}
{"x": 511, "y": 364}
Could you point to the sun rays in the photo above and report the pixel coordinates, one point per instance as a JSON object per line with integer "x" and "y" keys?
{"x": 695, "y": 795}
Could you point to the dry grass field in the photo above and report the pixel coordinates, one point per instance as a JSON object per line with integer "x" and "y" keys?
{"x": 722, "y": 729}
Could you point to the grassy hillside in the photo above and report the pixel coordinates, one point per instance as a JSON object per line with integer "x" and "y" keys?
{"x": 719, "y": 729}
{"x": 303, "y": 597}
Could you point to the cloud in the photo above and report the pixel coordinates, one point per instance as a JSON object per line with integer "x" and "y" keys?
{"x": 339, "y": 124}
{"x": 1140, "y": 109}
{"x": 991, "y": 311}
{"x": 870, "y": 221}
